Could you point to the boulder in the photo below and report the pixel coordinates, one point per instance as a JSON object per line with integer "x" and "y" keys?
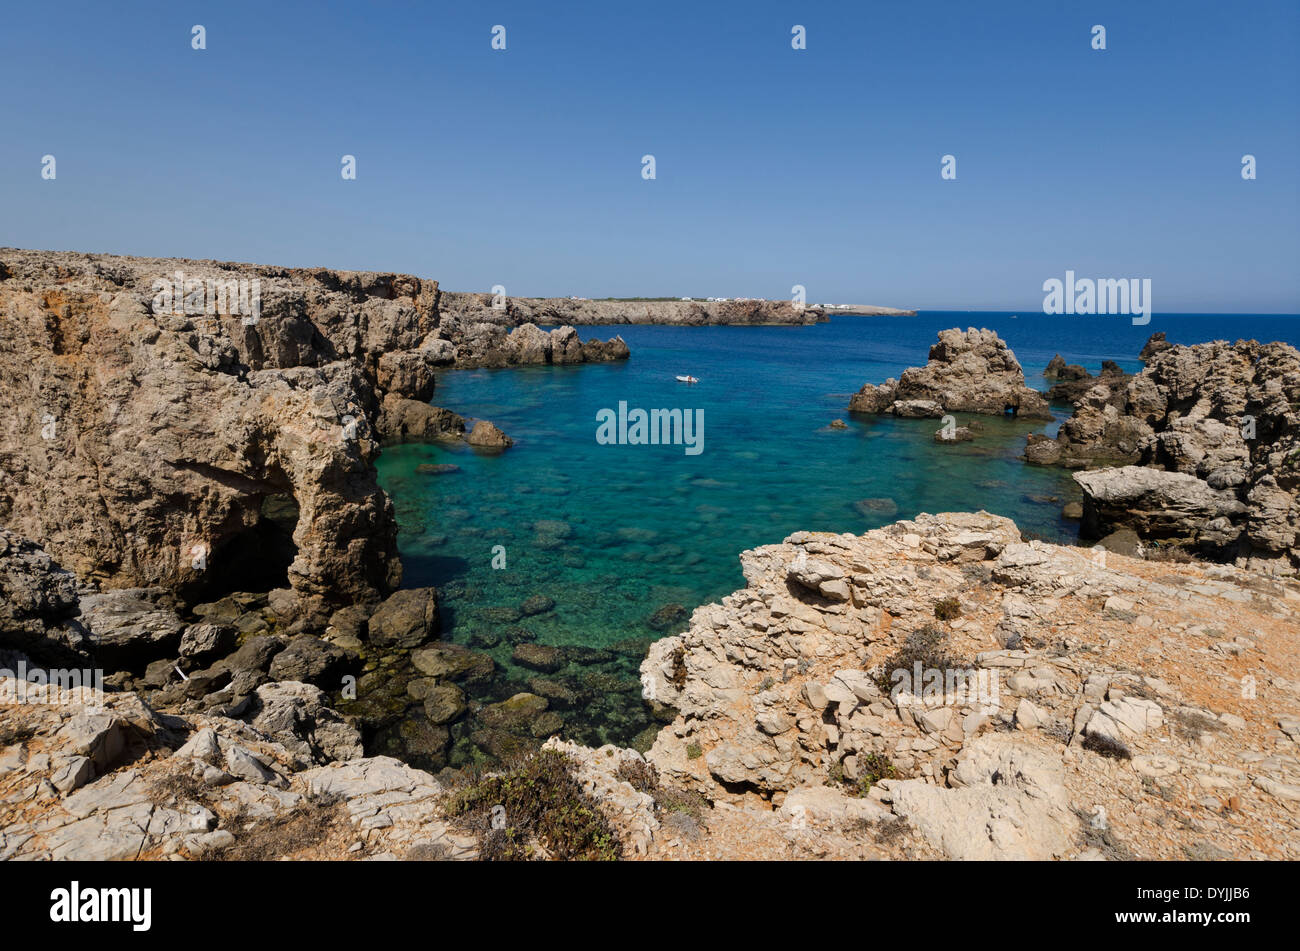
{"x": 407, "y": 618}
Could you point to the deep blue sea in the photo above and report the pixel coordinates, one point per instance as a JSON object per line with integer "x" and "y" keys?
{"x": 614, "y": 533}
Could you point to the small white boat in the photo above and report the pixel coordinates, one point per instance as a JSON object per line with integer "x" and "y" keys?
{"x": 687, "y": 379}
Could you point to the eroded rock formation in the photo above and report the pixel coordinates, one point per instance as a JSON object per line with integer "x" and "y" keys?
{"x": 1214, "y": 431}
{"x": 968, "y": 372}
{"x": 155, "y": 413}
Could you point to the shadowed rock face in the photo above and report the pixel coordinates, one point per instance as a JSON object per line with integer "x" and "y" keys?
{"x": 139, "y": 445}
{"x": 968, "y": 372}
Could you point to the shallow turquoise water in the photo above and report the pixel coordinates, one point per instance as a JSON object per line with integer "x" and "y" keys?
{"x": 648, "y": 526}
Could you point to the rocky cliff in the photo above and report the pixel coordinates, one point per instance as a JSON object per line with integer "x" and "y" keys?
{"x": 158, "y": 412}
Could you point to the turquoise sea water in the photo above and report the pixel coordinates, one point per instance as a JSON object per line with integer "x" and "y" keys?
{"x": 614, "y": 533}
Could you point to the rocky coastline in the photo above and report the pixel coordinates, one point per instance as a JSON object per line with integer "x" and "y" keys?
{"x": 189, "y": 513}
{"x": 487, "y": 310}
{"x": 1123, "y": 710}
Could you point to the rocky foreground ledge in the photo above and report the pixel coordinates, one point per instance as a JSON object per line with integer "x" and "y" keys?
{"x": 1125, "y": 709}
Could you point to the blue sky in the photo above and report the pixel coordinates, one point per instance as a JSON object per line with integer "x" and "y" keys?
{"x": 775, "y": 167}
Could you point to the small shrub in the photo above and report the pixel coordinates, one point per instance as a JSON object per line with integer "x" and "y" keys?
{"x": 948, "y": 609}
{"x": 1174, "y": 554}
{"x": 926, "y": 647}
{"x": 1189, "y": 725}
{"x": 641, "y": 775}
{"x": 1105, "y": 746}
{"x": 680, "y": 801}
{"x": 694, "y": 750}
{"x": 678, "y": 676}
{"x": 542, "y": 805}
{"x": 872, "y": 768}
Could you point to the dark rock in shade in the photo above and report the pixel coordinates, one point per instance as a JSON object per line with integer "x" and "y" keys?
{"x": 256, "y": 653}
{"x": 444, "y": 703}
{"x": 224, "y": 611}
{"x": 438, "y": 468}
{"x": 423, "y": 742}
{"x": 541, "y": 657}
{"x": 668, "y": 616}
{"x": 1074, "y": 382}
{"x": 127, "y": 630}
{"x": 311, "y": 660}
{"x": 453, "y": 662}
{"x": 1054, "y": 367}
{"x": 160, "y": 672}
{"x": 349, "y": 622}
{"x": 537, "y": 604}
{"x": 485, "y": 435}
{"x": 402, "y": 421}
{"x": 1122, "y": 542}
{"x": 408, "y": 618}
{"x": 202, "y": 642}
{"x": 39, "y": 605}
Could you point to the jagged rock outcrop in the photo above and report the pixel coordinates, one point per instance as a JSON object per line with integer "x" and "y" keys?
{"x": 491, "y": 345}
{"x": 39, "y": 604}
{"x": 1217, "y": 426}
{"x": 968, "y": 372}
{"x": 1072, "y": 381}
{"x": 154, "y": 408}
{"x": 1067, "y": 696}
